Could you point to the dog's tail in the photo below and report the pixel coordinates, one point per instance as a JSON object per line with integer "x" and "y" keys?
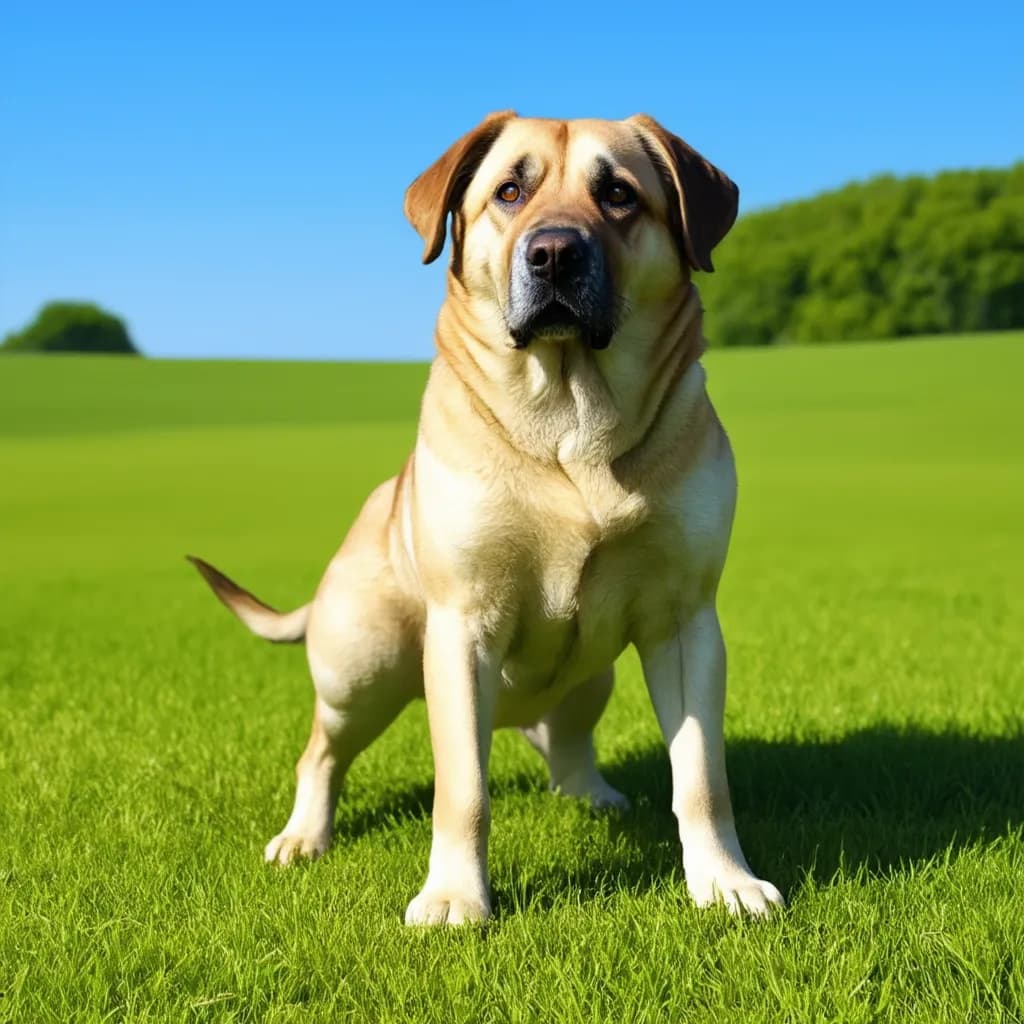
{"x": 264, "y": 621}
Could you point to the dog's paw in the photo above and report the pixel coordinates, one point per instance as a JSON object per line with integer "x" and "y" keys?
{"x": 739, "y": 890}
{"x": 441, "y": 906}
{"x": 607, "y": 798}
{"x": 288, "y": 847}
{"x": 595, "y": 790}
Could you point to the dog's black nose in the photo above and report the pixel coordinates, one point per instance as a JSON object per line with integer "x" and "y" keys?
{"x": 556, "y": 255}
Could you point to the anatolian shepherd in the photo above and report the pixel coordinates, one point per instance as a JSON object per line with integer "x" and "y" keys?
{"x": 571, "y": 492}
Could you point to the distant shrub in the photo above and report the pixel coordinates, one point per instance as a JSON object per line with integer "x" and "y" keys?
{"x": 881, "y": 258}
{"x": 72, "y": 327}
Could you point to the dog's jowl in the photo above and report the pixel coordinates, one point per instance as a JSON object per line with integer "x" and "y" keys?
{"x": 571, "y": 491}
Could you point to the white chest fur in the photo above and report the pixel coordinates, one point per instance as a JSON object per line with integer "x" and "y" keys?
{"x": 563, "y": 574}
{"x": 559, "y": 555}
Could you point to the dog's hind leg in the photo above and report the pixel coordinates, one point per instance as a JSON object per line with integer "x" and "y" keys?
{"x": 366, "y": 664}
{"x": 365, "y": 647}
{"x": 319, "y": 773}
{"x": 565, "y": 739}
{"x": 337, "y": 738}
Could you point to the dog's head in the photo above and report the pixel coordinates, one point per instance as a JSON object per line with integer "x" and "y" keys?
{"x": 566, "y": 227}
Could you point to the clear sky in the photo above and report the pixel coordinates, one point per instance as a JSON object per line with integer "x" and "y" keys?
{"x": 229, "y": 176}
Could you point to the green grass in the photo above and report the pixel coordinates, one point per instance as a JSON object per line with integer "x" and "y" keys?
{"x": 872, "y": 604}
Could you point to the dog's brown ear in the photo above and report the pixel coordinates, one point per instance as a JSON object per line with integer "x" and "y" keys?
{"x": 707, "y": 200}
{"x": 439, "y": 189}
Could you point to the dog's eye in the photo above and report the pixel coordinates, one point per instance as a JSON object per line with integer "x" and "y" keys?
{"x": 618, "y": 194}
{"x": 508, "y": 192}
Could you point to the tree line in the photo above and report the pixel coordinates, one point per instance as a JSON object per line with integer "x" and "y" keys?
{"x": 888, "y": 257}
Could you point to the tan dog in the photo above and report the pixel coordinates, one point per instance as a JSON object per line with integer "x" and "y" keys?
{"x": 571, "y": 492}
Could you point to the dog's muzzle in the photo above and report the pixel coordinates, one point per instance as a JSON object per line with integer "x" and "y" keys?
{"x": 559, "y": 288}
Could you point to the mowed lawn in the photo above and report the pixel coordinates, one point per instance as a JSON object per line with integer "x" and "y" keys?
{"x": 874, "y": 611}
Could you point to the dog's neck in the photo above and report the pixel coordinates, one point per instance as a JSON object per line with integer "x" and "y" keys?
{"x": 560, "y": 401}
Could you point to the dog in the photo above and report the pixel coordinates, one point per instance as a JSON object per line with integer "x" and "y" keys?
{"x": 571, "y": 491}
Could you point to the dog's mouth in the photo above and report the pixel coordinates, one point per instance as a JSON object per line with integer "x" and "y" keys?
{"x": 557, "y": 320}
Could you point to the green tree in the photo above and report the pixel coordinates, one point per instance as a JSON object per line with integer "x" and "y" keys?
{"x": 72, "y": 327}
{"x": 883, "y": 258}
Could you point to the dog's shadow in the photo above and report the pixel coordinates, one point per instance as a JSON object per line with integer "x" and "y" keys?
{"x": 872, "y": 801}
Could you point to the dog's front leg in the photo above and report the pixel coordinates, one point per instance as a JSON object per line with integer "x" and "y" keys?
{"x": 461, "y": 688}
{"x": 686, "y": 680}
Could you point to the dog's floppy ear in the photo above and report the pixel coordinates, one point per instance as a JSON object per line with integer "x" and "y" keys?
{"x": 439, "y": 189}
{"x": 707, "y": 200}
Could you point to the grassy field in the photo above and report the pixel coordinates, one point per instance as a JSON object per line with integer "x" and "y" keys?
{"x": 873, "y": 606}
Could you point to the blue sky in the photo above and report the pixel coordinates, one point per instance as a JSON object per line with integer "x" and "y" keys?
{"x": 229, "y": 176}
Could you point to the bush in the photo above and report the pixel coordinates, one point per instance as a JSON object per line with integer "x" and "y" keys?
{"x": 72, "y": 327}
{"x": 883, "y": 258}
